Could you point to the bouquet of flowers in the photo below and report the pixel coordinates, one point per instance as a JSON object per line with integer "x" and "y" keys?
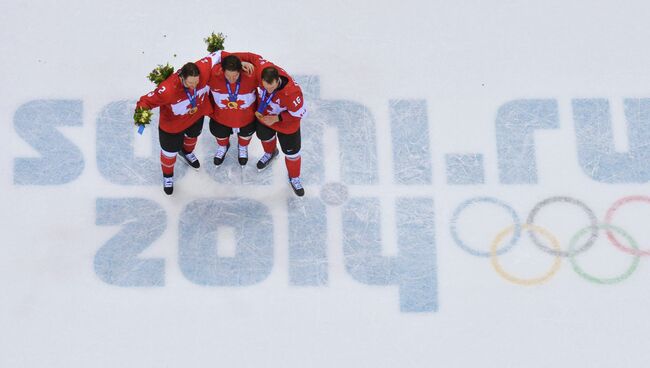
{"x": 215, "y": 41}
{"x": 142, "y": 116}
{"x": 161, "y": 73}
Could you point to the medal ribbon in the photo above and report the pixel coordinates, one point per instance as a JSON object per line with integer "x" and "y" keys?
{"x": 232, "y": 97}
{"x": 264, "y": 102}
{"x": 192, "y": 97}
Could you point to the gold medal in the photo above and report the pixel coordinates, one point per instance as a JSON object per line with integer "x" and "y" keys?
{"x": 233, "y": 105}
{"x": 193, "y": 110}
{"x": 259, "y": 115}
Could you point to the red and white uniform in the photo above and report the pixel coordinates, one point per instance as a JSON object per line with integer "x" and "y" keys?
{"x": 173, "y": 101}
{"x": 287, "y": 102}
{"x": 244, "y": 112}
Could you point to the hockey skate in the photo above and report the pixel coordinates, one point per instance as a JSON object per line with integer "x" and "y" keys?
{"x": 168, "y": 184}
{"x": 266, "y": 159}
{"x": 190, "y": 159}
{"x": 220, "y": 155}
{"x": 296, "y": 185}
{"x": 243, "y": 155}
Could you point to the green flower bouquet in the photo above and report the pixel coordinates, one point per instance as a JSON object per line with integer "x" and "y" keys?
{"x": 215, "y": 41}
{"x": 161, "y": 73}
{"x": 142, "y": 116}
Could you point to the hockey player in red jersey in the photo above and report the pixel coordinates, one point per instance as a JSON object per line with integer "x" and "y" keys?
{"x": 183, "y": 100}
{"x": 235, "y": 100}
{"x": 281, "y": 107}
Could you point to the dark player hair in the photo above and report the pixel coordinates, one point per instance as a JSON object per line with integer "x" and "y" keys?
{"x": 189, "y": 70}
{"x": 231, "y": 63}
{"x": 270, "y": 74}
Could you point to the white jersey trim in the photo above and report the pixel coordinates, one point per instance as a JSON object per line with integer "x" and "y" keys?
{"x": 181, "y": 108}
{"x": 215, "y": 57}
{"x": 300, "y": 113}
{"x": 248, "y": 98}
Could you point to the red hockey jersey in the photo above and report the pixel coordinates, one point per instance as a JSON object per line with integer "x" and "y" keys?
{"x": 173, "y": 101}
{"x": 287, "y": 102}
{"x": 240, "y": 112}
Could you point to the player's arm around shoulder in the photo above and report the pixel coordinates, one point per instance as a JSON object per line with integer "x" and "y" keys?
{"x": 158, "y": 97}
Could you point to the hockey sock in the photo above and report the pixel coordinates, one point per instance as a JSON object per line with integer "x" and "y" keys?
{"x": 189, "y": 143}
{"x": 167, "y": 161}
{"x": 243, "y": 141}
{"x": 223, "y": 141}
{"x": 269, "y": 146}
{"x": 293, "y": 165}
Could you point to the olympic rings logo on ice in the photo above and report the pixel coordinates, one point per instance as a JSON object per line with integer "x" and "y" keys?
{"x": 576, "y": 244}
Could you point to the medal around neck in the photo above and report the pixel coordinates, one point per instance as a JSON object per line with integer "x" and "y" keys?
{"x": 192, "y": 98}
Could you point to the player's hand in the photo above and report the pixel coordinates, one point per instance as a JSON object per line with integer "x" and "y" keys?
{"x": 269, "y": 119}
{"x": 247, "y": 67}
{"x": 142, "y": 116}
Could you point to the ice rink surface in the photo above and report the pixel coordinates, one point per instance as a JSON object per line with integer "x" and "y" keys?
{"x": 477, "y": 178}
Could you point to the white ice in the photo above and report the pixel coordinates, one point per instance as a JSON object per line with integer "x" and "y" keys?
{"x": 415, "y": 107}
